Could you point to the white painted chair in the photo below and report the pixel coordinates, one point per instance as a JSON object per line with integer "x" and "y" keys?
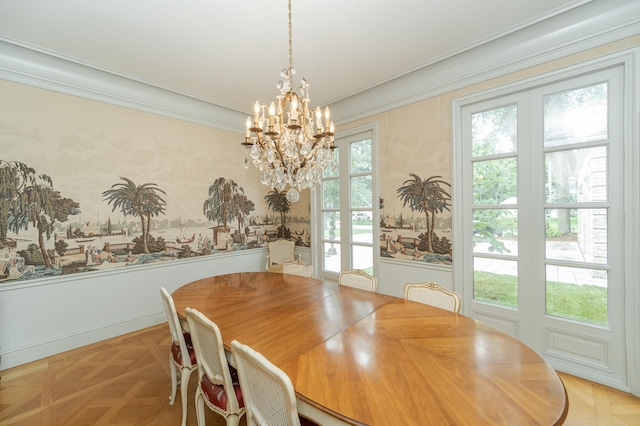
{"x": 181, "y": 356}
{"x": 433, "y": 294}
{"x": 298, "y": 267}
{"x": 280, "y": 252}
{"x": 358, "y": 278}
{"x": 218, "y": 386}
{"x": 268, "y": 392}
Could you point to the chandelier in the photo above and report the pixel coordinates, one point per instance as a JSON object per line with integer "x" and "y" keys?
{"x": 290, "y": 143}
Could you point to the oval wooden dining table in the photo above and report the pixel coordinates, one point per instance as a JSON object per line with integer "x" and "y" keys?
{"x": 363, "y": 358}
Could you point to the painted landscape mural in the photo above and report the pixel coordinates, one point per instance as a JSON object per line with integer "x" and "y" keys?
{"x": 95, "y": 187}
{"x": 418, "y": 230}
{"x": 43, "y": 234}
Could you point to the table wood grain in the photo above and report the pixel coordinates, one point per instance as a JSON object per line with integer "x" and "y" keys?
{"x": 369, "y": 358}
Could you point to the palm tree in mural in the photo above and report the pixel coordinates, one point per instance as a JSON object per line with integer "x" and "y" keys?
{"x": 137, "y": 200}
{"x": 425, "y": 196}
{"x": 278, "y": 203}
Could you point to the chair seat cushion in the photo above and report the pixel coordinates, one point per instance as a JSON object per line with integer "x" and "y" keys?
{"x": 216, "y": 394}
{"x": 177, "y": 353}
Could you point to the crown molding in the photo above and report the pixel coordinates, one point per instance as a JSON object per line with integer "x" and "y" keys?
{"x": 590, "y": 25}
{"x": 27, "y": 65}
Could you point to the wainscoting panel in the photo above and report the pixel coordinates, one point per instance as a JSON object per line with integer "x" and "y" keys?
{"x": 505, "y": 324}
{"x": 577, "y": 348}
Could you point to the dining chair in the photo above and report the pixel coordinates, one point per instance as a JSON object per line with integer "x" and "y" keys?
{"x": 280, "y": 252}
{"x": 268, "y": 392}
{"x": 433, "y": 294}
{"x": 298, "y": 267}
{"x": 218, "y": 385}
{"x": 181, "y": 356}
{"x": 358, "y": 278}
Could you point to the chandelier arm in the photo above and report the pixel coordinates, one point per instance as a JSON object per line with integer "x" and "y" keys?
{"x": 313, "y": 152}
{"x": 304, "y": 124}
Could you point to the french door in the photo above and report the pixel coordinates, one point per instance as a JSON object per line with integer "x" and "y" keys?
{"x": 345, "y": 206}
{"x": 542, "y": 220}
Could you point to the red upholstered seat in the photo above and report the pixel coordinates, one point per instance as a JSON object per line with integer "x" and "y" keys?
{"x": 215, "y": 393}
{"x": 177, "y": 354}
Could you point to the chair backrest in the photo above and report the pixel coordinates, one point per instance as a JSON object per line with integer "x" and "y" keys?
{"x": 212, "y": 361}
{"x": 267, "y": 391}
{"x": 433, "y": 294}
{"x": 177, "y": 333}
{"x": 281, "y": 251}
{"x": 298, "y": 267}
{"x": 358, "y": 278}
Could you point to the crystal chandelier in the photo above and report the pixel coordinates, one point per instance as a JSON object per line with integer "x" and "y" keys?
{"x": 290, "y": 143}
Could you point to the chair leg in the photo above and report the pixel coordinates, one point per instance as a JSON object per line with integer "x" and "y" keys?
{"x": 184, "y": 387}
{"x": 233, "y": 420}
{"x": 174, "y": 380}
{"x": 200, "y": 407}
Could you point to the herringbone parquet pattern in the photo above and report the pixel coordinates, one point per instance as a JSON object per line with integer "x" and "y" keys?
{"x": 591, "y": 404}
{"x": 125, "y": 381}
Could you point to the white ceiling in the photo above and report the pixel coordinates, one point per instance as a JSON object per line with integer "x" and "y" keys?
{"x": 231, "y": 52}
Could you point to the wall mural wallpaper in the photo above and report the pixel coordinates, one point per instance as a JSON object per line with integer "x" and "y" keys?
{"x": 86, "y": 186}
{"x": 415, "y": 183}
{"x": 418, "y": 231}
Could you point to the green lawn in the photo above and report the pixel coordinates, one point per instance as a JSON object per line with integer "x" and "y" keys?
{"x": 552, "y": 226}
{"x": 356, "y": 230}
{"x": 585, "y": 303}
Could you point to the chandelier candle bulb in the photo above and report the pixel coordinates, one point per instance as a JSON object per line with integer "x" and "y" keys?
{"x": 272, "y": 113}
{"x": 256, "y": 112}
{"x": 319, "y": 119}
{"x": 327, "y": 114}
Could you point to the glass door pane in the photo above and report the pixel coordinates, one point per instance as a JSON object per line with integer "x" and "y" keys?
{"x": 495, "y": 201}
{"x": 330, "y": 212}
{"x": 576, "y": 209}
{"x": 360, "y": 204}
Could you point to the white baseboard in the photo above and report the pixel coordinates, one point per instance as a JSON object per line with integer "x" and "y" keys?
{"x": 46, "y": 348}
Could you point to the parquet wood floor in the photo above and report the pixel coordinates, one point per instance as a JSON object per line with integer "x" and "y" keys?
{"x": 125, "y": 381}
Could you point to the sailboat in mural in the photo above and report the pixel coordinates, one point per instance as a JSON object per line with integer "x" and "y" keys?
{"x": 181, "y": 238}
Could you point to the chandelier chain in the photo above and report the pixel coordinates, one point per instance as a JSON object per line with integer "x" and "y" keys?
{"x": 290, "y": 39}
